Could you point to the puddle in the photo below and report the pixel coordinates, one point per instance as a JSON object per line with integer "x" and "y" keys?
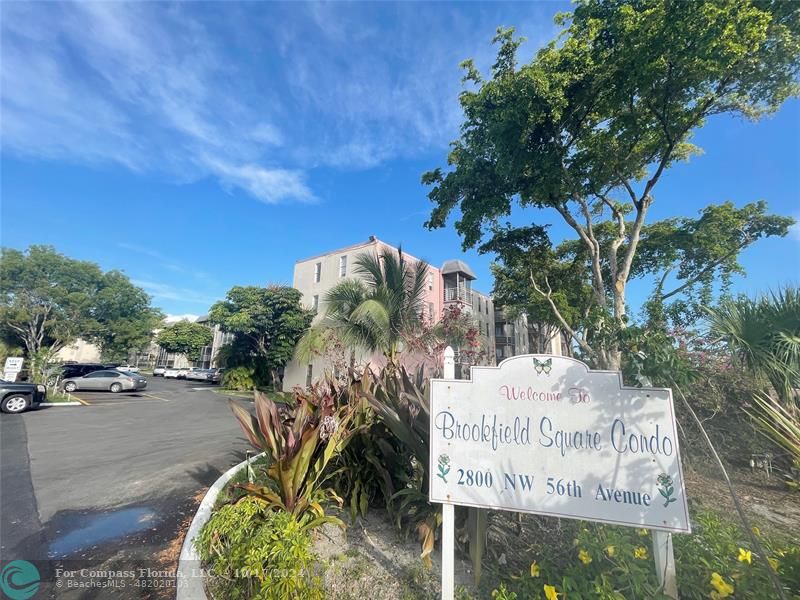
{"x": 94, "y": 529}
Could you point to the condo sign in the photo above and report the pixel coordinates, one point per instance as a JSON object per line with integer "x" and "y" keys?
{"x": 547, "y": 435}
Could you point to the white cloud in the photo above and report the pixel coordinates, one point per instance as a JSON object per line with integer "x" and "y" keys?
{"x": 794, "y": 230}
{"x": 133, "y": 84}
{"x": 269, "y": 185}
{"x": 167, "y": 263}
{"x": 176, "y": 318}
{"x": 254, "y": 95}
{"x": 165, "y": 291}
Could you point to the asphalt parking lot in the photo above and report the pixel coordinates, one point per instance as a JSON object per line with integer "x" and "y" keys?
{"x": 112, "y": 482}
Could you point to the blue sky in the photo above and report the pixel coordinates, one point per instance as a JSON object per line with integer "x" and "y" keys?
{"x": 198, "y": 146}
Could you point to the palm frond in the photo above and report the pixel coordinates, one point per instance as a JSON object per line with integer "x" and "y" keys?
{"x": 764, "y": 335}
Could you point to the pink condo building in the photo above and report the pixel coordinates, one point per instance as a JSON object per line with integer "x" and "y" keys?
{"x": 451, "y": 284}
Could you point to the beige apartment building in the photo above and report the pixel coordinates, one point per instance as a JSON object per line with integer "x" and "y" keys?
{"x": 448, "y": 285}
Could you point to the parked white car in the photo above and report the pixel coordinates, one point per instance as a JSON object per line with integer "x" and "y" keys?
{"x": 173, "y": 373}
{"x": 199, "y": 374}
{"x": 128, "y": 368}
{"x": 159, "y": 371}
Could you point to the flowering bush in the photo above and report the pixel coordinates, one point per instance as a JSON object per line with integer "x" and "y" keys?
{"x": 608, "y": 562}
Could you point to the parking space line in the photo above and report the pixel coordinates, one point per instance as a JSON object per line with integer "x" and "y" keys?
{"x": 152, "y": 396}
{"x": 81, "y": 400}
{"x": 117, "y": 402}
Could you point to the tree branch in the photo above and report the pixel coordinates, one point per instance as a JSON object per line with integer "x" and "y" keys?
{"x": 704, "y": 271}
{"x": 549, "y": 297}
{"x": 597, "y": 279}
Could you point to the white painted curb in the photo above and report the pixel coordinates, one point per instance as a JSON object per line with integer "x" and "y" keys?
{"x": 60, "y": 404}
{"x": 189, "y": 575}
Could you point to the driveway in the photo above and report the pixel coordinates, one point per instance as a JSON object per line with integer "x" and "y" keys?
{"x": 110, "y": 485}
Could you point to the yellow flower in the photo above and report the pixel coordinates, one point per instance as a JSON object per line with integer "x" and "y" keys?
{"x": 642, "y": 532}
{"x": 610, "y": 550}
{"x": 534, "y": 569}
{"x": 722, "y": 588}
{"x": 745, "y": 556}
{"x": 550, "y": 592}
{"x": 585, "y": 557}
{"x": 640, "y": 553}
{"x": 773, "y": 562}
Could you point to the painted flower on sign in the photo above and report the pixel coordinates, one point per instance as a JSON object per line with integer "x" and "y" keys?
{"x": 666, "y": 488}
{"x": 444, "y": 467}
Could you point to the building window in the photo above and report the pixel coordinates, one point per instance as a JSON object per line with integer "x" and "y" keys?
{"x": 317, "y": 272}
{"x": 342, "y": 266}
{"x": 309, "y": 374}
{"x": 487, "y": 330}
{"x": 430, "y": 281}
{"x": 487, "y": 307}
{"x": 480, "y": 306}
{"x": 430, "y": 311}
{"x": 315, "y": 302}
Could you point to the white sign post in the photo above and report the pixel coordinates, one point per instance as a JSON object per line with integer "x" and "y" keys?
{"x": 547, "y": 435}
{"x": 12, "y": 368}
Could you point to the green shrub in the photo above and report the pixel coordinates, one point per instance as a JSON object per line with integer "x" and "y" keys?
{"x": 255, "y": 552}
{"x": 300, "y": 440}
{"x": 239, "y": 378}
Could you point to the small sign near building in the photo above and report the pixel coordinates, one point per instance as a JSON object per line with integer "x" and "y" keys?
{"x": 12, "y": 368}
{"x": 547, "y": 435}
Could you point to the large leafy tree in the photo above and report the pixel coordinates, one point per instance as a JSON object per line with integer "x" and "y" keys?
{"x": 267, "y": 321}
{"x": 588, "y": 128}
{"x": 125, "y": 319}
{"x": 47, "y": 300}
{"x": 378, "y": 311}
{"x": 185, "y": 337}
{"x": 685, "y": 259}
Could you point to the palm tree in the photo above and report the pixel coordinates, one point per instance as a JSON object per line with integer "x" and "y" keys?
{"x": 764, "y": 335}
{"x": 376, "y": 312}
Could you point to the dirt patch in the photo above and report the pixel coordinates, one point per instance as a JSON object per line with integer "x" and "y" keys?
{"x": 767, "y": 501}
{"x": 371, "y": 559}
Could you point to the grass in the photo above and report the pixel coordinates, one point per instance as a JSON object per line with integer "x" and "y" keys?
{"x": 57, "y": 396}
{"x": 279, "y": 397}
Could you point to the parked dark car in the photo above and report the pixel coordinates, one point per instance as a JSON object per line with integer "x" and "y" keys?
{"x": 19, "y": 397}
{"x": 216, "y": 375}
{"x": 80, "y": 369}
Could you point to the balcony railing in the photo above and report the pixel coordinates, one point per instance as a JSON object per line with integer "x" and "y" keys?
{"x": 458, "y": 295}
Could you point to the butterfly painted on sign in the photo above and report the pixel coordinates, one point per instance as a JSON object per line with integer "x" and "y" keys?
{"x": 543, "y": 366}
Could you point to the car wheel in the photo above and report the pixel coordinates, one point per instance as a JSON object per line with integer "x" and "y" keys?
{"x": 116, "y": 387}
{"x": 70, "y": 386}
{"x": 14, "y": 404}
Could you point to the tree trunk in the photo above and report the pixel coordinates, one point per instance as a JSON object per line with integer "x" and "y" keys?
{"x": 277, "y": 379}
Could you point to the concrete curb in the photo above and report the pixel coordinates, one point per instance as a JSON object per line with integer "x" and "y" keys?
{"x": 189, "y": 574}
{"x": 60, "y": 404}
